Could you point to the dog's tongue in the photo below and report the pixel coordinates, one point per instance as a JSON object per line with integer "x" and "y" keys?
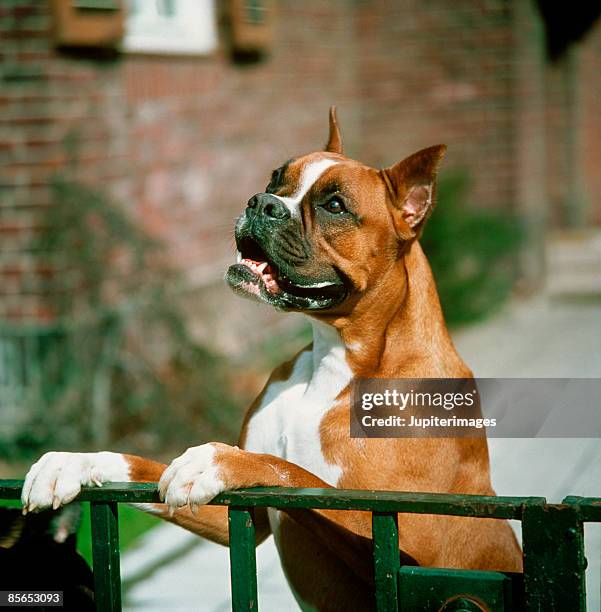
{"x": 270, "y": 282}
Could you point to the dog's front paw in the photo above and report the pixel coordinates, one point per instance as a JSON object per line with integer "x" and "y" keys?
{"x": 56, "y": 478}
{"x": 195, "y": 477}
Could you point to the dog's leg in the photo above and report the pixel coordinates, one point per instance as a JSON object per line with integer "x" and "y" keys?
{"x": 57, "y": 478}
{"x": 204, "y": 471}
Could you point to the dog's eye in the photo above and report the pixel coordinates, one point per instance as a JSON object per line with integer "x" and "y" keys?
{"x": 335, "y": 206}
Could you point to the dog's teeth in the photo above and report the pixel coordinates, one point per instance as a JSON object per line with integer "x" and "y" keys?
{"x": 262, "y": 267}
{"x": 238, "y": 257}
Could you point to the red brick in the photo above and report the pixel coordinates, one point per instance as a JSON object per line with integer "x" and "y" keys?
{"x": 183, "y": 142}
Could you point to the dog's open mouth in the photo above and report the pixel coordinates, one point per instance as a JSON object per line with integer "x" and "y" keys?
{"x": 255, "y": 275}
{"x": 252, "y": 256}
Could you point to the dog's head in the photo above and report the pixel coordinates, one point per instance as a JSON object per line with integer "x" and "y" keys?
{"x": 326, "y": 226}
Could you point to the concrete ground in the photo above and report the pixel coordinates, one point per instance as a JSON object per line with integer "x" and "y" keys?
{"x": 541, "y": 338}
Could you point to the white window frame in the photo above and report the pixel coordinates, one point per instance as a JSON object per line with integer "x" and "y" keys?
{"x": 191, "y": 29}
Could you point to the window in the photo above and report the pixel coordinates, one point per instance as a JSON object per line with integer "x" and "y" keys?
{"x": 171, "y": 26}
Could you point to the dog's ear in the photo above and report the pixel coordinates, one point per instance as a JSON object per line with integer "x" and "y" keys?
{"x": 412, "y": 185}
{"x": 334, "y": 140}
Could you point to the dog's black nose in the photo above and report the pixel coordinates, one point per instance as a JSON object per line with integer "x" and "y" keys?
{"x": 269, "y": 206}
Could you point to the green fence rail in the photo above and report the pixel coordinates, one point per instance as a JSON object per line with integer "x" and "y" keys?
{"x": 553, "y": 544}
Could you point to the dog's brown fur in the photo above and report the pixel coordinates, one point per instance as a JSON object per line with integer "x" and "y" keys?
{"x": 398, "y": 324}
{"x": 392, "y": 327}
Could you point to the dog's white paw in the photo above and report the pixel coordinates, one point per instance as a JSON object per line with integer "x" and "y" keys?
{"x": 56, "y": 478}
{"x": 192, "y": 478}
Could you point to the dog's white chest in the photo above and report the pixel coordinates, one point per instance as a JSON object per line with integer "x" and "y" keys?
{"x": 287, "y": 423}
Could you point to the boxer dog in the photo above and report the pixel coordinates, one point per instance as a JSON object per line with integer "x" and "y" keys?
{"x": 338, "y": 241}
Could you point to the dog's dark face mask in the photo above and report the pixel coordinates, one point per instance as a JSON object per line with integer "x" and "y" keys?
{"x": 282, "y": 260}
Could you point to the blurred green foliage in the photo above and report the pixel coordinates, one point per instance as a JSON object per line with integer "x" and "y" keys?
{"x": 118, "y": 364}
{"x": 472, "y": 252}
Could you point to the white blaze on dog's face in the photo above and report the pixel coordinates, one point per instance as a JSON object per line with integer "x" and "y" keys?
{"x": 325, "y": 224}
{"x": 309, "y": 175}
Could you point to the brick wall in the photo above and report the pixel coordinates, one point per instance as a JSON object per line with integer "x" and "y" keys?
{"x": 183, "y": 142}
{"x": 586, "y": 83}
{"x": 207, "y": 134}
{"x": 47, "y": 100}
{"x": 590, "y": 83}
{"x": 435, "y": 73}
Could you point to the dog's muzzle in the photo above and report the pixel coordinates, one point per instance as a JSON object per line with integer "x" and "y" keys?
{"x": 267, "y": 207}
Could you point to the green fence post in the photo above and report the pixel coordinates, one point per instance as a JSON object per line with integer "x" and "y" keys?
{"x": 243, "y": 561}
{"x": 554, "y": 562}
{"x": 105, "y": 554}
{"x": 385, "y": 534}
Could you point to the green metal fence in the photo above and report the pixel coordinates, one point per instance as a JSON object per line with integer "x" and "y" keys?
{"x": 553, "y": 544}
